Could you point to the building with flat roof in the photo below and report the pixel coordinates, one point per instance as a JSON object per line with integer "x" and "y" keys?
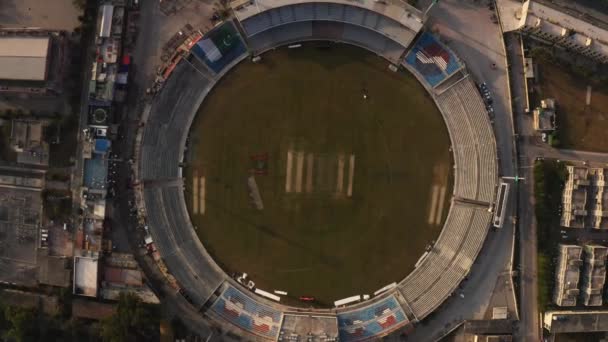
{"x": 556, "y": 25}
{"x": 95, "y": 174}
{"x": 105, "y": 23}
{"x": 567, "y": 274}
{"x": 594, "y": 274}
{"x": 544, "y": 116}
{"x": 597, "y": 202}
{"x": 27, "y": 140}
{"x": 575, "y": 321}
{"x": 86, "y": 269}
{"x": 53, "y": 270}
{"x": 584, "y": 198}
{"x": 574, "y": 197}
{"x": 24, "y": 58}
{"x": 20, "y": 219}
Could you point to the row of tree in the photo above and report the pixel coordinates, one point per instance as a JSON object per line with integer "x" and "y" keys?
{"x": 133, "y": 321}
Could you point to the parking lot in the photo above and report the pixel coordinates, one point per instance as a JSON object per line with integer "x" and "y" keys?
{"x": 51, "y": 15}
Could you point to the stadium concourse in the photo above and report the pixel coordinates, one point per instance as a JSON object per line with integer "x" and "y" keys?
{"x": 392, "y": 30}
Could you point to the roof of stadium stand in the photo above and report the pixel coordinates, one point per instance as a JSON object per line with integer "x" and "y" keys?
{"x": 23, "y": 58}
{"x": 397, "y": 10}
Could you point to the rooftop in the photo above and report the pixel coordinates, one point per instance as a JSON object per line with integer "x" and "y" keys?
{"x": 83, "y": 308}
{"x": 302, "y": 325}
{"x": 20, "y": 216}
{"x": 123, "y": 276}
{"x": 23, "y": 58}
{"x": 576, "y": 321}
{"x": 85, "y": 276}
{"x": 102, "y": 145}
{"x": 399, "y": 11}
{"x": 53, "y": 270}
{"x": 578, "y": 27}
{"x": 95, "y": 173}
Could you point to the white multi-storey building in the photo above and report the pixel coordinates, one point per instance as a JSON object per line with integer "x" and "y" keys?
{"x": 574, "y": 31}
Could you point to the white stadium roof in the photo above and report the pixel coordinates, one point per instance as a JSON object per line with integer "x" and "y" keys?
{"x": 23, "y": 58}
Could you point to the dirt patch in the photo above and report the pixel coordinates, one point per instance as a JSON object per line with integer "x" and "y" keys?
{"x": 580, "y": 126}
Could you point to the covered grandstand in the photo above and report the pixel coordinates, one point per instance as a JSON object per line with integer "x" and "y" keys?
{"x": 163, "y": 196}
{"x": 386, "y": 30}
{"x": 449, "y": 261}
{"x": 472, "y": 141}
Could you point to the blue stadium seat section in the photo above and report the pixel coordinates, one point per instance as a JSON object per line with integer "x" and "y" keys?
{"x": 220, "y": 47}
{"x": 432, "y": 60}
{"x": 372, "y": 321}
{"x": 244, "y": 312}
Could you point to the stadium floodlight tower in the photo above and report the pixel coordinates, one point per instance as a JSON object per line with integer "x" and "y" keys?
{"x": 428, "y": 9}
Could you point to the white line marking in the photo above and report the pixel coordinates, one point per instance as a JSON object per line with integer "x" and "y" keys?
{"x": 440, "y": 206}
{"x": 309, "y": 168}
{"x": 195, "y": 190}
{"x": 340, "y": 179}
{"x": 299, "y": 171}
{"x": 433, "y": 206}
{"x": 288, "y": 172}
{"x": 201, "y": 193}
{"x": 351, "y": 175}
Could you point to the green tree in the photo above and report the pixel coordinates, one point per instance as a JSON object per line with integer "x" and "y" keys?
{"x": 133, "y": 321}
{"x": 80, "y": 4}
{"x": 542, "y": 53}
{"x": 222, "y": 8}
{"x": 21, "y": 324}
{"x": 549, "y": 178}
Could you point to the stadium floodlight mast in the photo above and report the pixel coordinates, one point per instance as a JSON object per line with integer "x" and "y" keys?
{"x": 426, "y": 12}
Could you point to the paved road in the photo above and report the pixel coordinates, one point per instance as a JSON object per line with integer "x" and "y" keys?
{"x": 469, "y": 31}
{"x": 569, "y": 155}
{"x": 529, "y": 329}
{"x": 155, "y": 29}
{"x": 530, "y": 148}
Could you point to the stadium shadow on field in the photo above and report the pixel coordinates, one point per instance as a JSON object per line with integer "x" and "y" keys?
{"x": 324, "y": 47}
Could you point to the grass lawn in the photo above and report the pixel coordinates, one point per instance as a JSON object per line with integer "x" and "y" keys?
{"x": 313, "y": 238}
{"x": 545, "y": 280}
{"x": 549, "y": 178}
{"x": 580, "y": 126}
